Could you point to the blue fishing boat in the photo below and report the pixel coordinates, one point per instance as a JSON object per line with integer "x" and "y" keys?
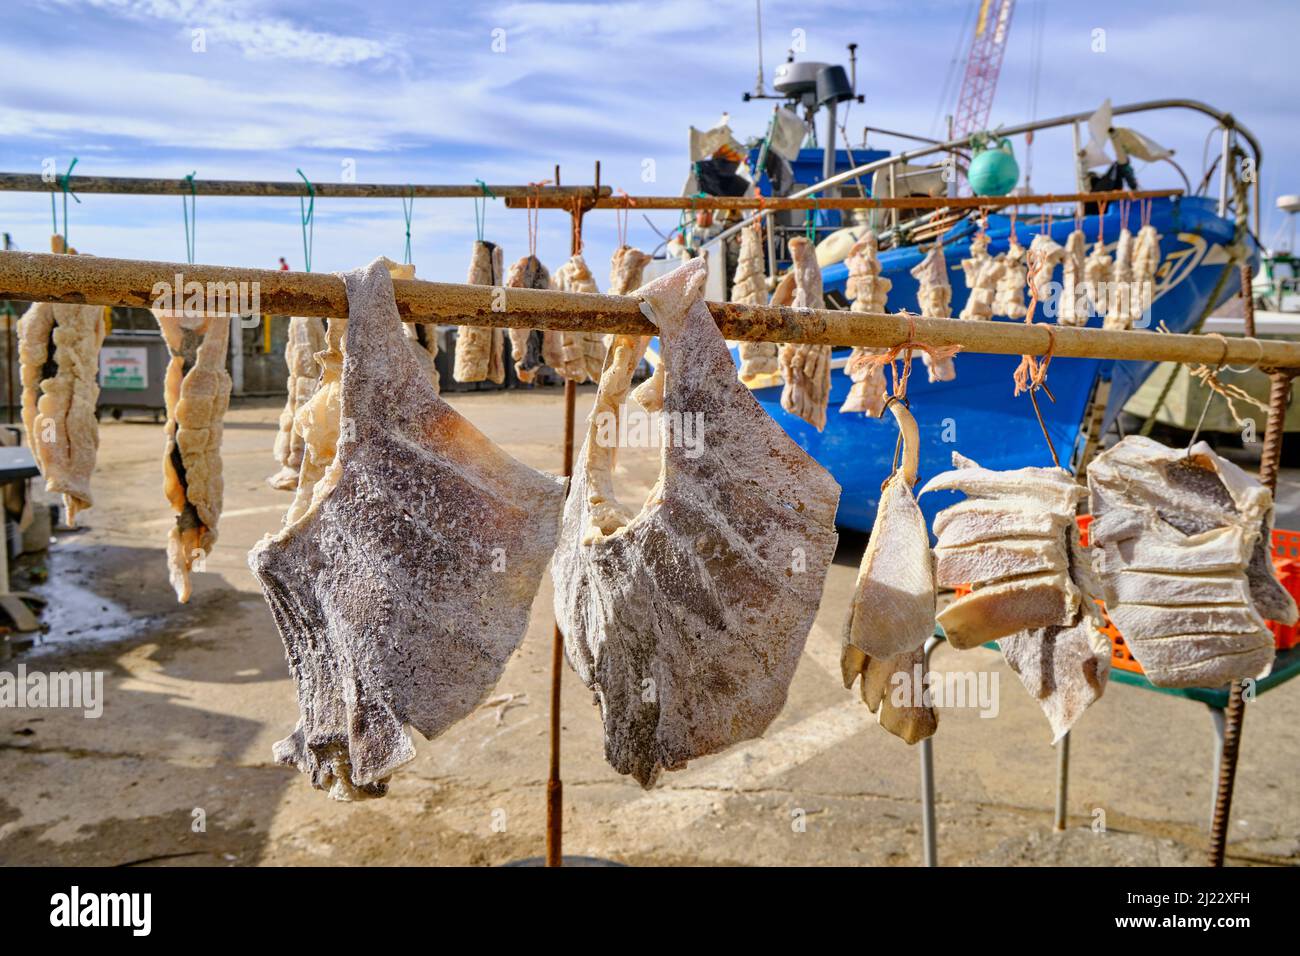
{"x": 977, "y": 413}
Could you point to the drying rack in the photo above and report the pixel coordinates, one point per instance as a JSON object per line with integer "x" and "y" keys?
{"x": 118, "y": 282}
{"x": 123, "y": 282}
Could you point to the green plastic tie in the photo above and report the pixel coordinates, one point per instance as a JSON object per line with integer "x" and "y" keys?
{"x": 308, "y": 212}
{"x": 408, "y": 208}
{"x": 63, "y": 180}
{"x": 480, "y": 208}
{"x": 189, "y": 208}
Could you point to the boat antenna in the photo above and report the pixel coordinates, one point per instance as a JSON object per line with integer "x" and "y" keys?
{"x": 758, "y": 17}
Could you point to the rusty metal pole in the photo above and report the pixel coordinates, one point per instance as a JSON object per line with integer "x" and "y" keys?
{"x": 1248, "y": 298}
{"x": 1234, "y": 715}
{"x": 554, "y": 783}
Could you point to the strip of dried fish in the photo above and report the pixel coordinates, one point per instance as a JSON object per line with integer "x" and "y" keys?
{"x": 687, "y": 618}
{"x": 406, "y": 583}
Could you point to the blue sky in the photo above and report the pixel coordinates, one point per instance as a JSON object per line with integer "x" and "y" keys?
{"x": 414, "y": 93}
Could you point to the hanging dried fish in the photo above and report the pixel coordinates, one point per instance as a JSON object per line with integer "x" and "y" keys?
{"x": 1119, "y": 309}
{"x": 869, "y": 290}
{"x": 58, "y": 352}
{"x": 576, "y": 356}
{"x": 1007, "y": 541}
{"x": 934, "y": 296}
{"x": 806, "y": 368}
{"x": 983, "y": 273}
{"x": 759, "y": 362}
{"x": 526, "y": 344}
{"x": 1072, "y": 309}
{"x": 422, "y": 337}
{"x": 1009, "y": 292}
{"x": 1047, "y": 253}
{"x": 197, "y": 394}
{"x": 1183, "y": 540}
{"x": 402, "y": 590}
{"x": 892, "y": 611}
{"x": 306, "y": 337}
{"x": 688, "y": 617}
{"x": 1146, "y": 261}
{"x": 480, "y": 350}
{"x": 1096, "y": 276}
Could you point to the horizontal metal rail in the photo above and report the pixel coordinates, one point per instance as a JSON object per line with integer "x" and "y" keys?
{"x": 842, "y": 202}
{"x": 32, "y": 276}
{"x": 133, "y": 186}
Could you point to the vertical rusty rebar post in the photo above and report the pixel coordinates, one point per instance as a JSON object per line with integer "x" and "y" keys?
{"x": 1248, "y": 298}
{"x": 554, "y": 783}
{"x": 1270, "y": 461}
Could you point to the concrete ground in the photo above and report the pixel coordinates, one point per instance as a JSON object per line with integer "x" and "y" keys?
{"x": 178, "y": 769}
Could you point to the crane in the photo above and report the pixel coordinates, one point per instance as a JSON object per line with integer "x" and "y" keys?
{"x": 983, "y": 64}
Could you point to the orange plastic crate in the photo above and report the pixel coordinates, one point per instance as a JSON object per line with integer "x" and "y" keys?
{"x": 1286, "y": 559}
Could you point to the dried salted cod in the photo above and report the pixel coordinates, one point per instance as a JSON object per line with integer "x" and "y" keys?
{"x": 983, "y": 273}
{"x": 1182, "y": 542}
{"x": 1009, "y": 296}
{"x": 318, "y": 423}
{"x": 306, "y": 337}
{"x": 1046, "y": 253}
{"x": 1119, "y": 311}
{"x": 480, "y": 350}
{"x": 1146, "y": 261}
{"x": 405, "y": 586}
{"x": 197, "y": 393}
{"x": 759, "y": 361}
{"x": 1096, "y": 279}
{"x": 626, "y": 274}
{"x": 1010, "y": 539}
{"x": 422, "y": 337}
{"x": 806, "y": 368}
{"x": 1072, "y": 307}
{"x": 1064, "y": 667}
{"x": 576, "y": 356}
{"x": 688, "y": 619}
{"x": 869, "y": 291}
{"x": 58, "y": 352}
{"x": 934, "y": 296}
{"x": 892, "y": 612}
{"x": 526, "y": 344}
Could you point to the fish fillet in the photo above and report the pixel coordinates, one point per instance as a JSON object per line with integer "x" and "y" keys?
{"x": 806, "y": 368}
{"x": 526, "y": 344}
{"x": 759, "y": 361}
{"x": 58, "y": 352}
{"x": 1012, "y": 540}
{"x": 197, "y": 393}
{"x": 891, "y": 614}
{"x": 576, "y": 356}
{"x": 934, "y": 298}
{"x": 1181, "y": 539}
{"x": 480, "y": 349}
{"x": 869, "y": 291}
{"x": 406, "y": 584}
{"x": 688, "y": 617}
{"x": 306, "y": 338}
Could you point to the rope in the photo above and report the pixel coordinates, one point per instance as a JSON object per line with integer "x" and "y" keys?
{"x": 621, "y": 217}
{"x": 408, "y": 209}
{"x": 1031, "y": 374}
{"x": 189, "y": 208}
{"x": 480, "y": 208}
{"x": 54, "y": 214}
{"x": 533, "y": 212}
{"x": 1209, "y": 378}
{"x": 308, "y": 213}
{"x": 937, "y": 353}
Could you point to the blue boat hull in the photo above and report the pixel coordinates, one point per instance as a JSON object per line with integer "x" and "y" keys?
{"x": 977, "y": 414}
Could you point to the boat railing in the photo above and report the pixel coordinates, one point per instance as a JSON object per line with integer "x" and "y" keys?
{"x": 1225, "y": 121}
